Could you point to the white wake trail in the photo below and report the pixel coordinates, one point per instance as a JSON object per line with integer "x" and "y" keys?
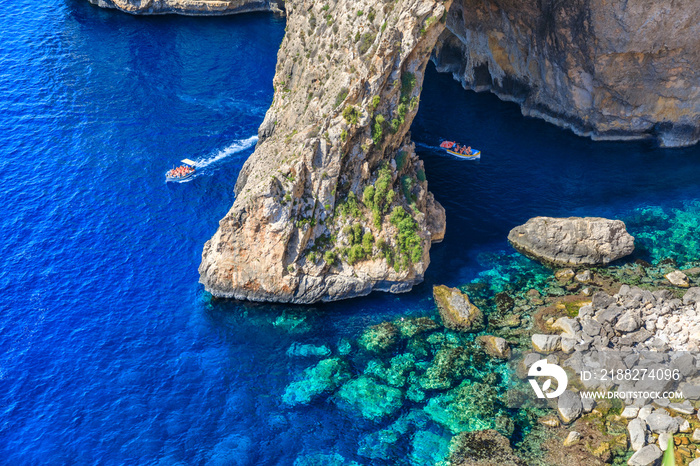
{"x": 233, "y": 148}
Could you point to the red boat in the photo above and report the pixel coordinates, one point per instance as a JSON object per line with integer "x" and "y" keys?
{"x": 464, "y": 152}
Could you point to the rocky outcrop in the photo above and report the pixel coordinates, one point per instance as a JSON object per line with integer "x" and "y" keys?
{"x": 605, "y": 69}
{"x": 456, "y": 311}
{"x": 191, "y": 7}
{"x": 334, "y": 202}
{"x": 572, "y": 241}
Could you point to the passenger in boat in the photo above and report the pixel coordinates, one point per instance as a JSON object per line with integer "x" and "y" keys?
{"x": 469, "y": 150}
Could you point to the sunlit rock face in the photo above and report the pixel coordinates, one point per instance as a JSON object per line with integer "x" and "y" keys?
{"x": 334, "y": 202}
{"x": 605, "y": 69}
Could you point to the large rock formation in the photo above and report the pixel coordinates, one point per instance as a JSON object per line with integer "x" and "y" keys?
{"x": 456, "y": 311}
{"x": 190, "y": 7}
{"x": 573, "y": 241}
{"x": 606, "y": 69}
{"x": 334, "y": 202}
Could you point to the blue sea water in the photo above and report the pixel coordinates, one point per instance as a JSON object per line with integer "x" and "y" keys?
{"x": 110, "y": 351}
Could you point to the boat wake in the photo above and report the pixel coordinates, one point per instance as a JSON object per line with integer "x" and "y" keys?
{"x": 233, "y": 148}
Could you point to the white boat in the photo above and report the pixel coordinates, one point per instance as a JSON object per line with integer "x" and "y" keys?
{"x": 183, "y": 172}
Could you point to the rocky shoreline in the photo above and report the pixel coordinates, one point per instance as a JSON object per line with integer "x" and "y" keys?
{"x": 457, "y": 369}
{"x": 191, "y": 7}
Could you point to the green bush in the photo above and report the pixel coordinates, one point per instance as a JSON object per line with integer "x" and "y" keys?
{"x": 355, "y": 254}
{"x": 408, "y": 82}
{"x": 351, "y": 115}
{"x": 367, "y": 243}
{"x": 366, "y": 42}
{"x": 368, "y": 196}
{"x": 341, "y": 96}
{"x": 349, "y": 207}
{"x": 401, "y": 159}
{"x": 410, "y": 249}
{"x": 330, "y": 257}
{"x": 357, "y": 234}
{"x": 375, "y": 102}
{"x": 378, "y": 129}
{"x": 406, "y": 185}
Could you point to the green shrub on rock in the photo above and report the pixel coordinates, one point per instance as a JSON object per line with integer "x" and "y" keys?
{"x": 351, "y": 115}
{"x": 341, "y": 96}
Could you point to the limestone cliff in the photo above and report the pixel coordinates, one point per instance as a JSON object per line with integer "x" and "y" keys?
{"x": 609, "y": 69}
{"x": 190, "y": 7}
{"x": 334, "y": 202}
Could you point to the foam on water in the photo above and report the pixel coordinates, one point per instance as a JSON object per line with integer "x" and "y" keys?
{"x": 233, "y": 148}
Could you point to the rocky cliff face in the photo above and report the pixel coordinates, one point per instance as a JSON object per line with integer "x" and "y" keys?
{"x": 190, "y": 7}
{"x": 606, "y": 69}
{"x": 334, "y": 202}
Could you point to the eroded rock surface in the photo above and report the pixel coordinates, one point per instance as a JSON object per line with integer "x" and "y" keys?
{"x": 334, "y": 202}
{"x": 573, "y": 241}
{"x": 605, "y": 69}
{"x": 456, "y": 311}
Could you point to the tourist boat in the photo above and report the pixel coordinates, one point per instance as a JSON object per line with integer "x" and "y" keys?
{"x": 183, "y": 172}
{"x": 451, "y": 148}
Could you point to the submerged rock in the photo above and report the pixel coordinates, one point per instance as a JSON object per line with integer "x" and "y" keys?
{"x": 470, "y": 406}
{"x": 323, "y": 459}
{"x": 299, "y": 350}
{"x": 448, "y": 366}
{"x": 322, "y": 378}
{"x": 573, "y": 241}
{"x": 457, "y": 312}
{"x": 372, "y": 400}
{"x": 379, "y": 338}
{"x": 410, "y": 327}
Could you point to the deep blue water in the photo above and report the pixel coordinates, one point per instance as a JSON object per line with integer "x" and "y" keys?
{"x": 110, "y": 351}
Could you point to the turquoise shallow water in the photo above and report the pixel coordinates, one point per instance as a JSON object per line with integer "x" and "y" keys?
{"x": 111, "y": 353}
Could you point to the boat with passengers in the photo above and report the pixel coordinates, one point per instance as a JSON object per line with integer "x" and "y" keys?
{"x": 183, "y": 172}
{"x": 463, "y": 152}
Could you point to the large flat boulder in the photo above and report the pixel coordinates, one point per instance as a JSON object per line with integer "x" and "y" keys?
{"x": 573, "y": 241}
